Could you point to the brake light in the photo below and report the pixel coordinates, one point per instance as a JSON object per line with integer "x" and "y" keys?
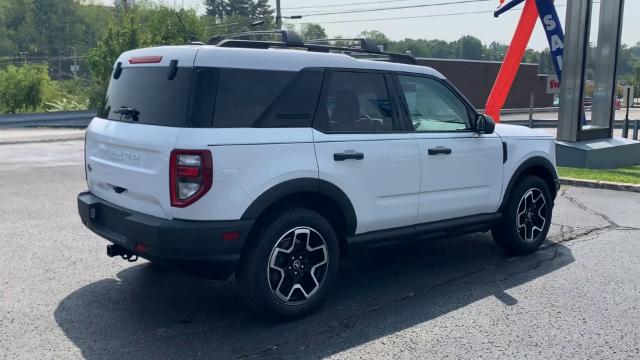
{"x": 190, "y": 176}
{"x": 145, "y": 59}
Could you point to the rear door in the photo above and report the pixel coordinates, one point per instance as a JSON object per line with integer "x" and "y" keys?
{"x": 128, "y": 144}
{"x": 361, "y": 148}
{"x": 461, "y": 171}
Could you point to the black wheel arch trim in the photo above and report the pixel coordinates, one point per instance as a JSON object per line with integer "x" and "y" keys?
{"x": 300, "y": 185}
{"x": 536, "y": 161}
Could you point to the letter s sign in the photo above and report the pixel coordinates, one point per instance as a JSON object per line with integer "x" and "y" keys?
{"x": 553, "y": 30}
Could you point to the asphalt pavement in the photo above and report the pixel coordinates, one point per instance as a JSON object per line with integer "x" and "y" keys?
{"x": 61, "y": 297}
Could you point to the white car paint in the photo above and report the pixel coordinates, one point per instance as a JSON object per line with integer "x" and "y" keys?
{"x": 383, "y": 187}
{"x": 134, "y": 157}
{"x": 396, "y": 184}
{"x": 466, "y": 182}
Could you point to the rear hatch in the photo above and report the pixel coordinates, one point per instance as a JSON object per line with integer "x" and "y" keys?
{"x": 129, "y": 143}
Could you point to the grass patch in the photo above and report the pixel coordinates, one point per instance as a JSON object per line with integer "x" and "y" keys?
{"x": 627, "y": 175}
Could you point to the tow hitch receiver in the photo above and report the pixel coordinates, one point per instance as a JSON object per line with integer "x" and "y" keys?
{"x": 117, "y": 250}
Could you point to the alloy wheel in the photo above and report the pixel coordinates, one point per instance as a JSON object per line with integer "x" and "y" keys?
{"x": 531, "y": 215}
{"x": 298, "y": 265}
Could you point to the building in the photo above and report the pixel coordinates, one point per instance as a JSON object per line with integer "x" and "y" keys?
{"x": 475, "y": 78}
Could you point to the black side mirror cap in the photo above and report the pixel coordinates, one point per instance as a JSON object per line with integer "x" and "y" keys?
{"x": 485, "y": 124}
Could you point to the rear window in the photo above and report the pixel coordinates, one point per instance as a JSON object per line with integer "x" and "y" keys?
{"x": 208, "y": 97}
{"x": 146, "y": 95}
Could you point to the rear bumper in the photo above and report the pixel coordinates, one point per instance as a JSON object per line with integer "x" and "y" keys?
{"x": 191, "y": 245}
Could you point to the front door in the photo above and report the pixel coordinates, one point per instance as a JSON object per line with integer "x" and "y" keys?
{"x": 461, "y": 171}
{"x": 360, "y": 149}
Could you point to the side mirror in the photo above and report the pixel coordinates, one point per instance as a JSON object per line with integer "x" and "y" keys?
{"x": 485, "y": 124}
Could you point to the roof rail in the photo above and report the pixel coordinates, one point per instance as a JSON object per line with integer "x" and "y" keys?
{"x": 365, "y": 44}
{"x": 291, "y": 39}
{"x": 288, "y": 37}
{"x": 393, "y": 57}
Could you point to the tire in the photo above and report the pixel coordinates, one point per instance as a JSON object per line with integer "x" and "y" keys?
{"x": 279, "y": 277}
{"x": 526, "y": 218}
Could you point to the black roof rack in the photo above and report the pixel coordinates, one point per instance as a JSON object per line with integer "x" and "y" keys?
{"x": 365, "y": 44}
{"x": 288, "y": 37}
{"x": 291, "y": 40}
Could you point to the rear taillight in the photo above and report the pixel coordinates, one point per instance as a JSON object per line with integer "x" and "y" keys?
{"x": 190, "y": 176}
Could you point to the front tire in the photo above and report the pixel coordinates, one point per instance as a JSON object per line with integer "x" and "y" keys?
{"x": 526, "y": 218}
{"x": 290, "y": 266}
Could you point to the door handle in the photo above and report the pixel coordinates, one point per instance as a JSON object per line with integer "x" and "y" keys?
{"x": 348, "y": 155}
{"x": 439, "y": 150}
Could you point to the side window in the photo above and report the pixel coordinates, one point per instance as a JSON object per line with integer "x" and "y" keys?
{"x": 356, "y": 102}
{"x": 295, "y": 106}
{"x": 433, "y": 106}
{"x": 244, "y": 95}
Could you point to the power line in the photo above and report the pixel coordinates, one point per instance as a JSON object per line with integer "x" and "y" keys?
{"x": 343, "y": 5}
{"x": 404, "y": 17}
{"x": 395, "y": 8}
{"x": 416, "y": 17}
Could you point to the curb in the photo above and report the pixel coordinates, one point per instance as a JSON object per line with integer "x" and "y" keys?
{"x": 598, "y": 184}
{"x": 43, "y": 139}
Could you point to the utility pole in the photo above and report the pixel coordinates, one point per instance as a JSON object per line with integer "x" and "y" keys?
{"x": 278, "y": 16}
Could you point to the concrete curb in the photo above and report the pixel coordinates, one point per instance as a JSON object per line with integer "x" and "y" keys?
{"x": 38, "y": 137}
{"x": 35, "y": 141}
{"x": 597, "y": 184}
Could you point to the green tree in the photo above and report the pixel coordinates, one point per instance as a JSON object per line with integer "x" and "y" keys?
{"x": 252, "y": 9}
{"x": 124, "y": 34}
{"x": 24, "y": 88}
{"x": 636, "y": 80}
{"x": 377, "y": 36}
{"x": 312, "y": 32}
{"x": 469, "y": 48}
{"x": 545, "y": 64}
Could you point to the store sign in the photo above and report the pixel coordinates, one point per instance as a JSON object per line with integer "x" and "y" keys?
{"x": 553, "y": 84}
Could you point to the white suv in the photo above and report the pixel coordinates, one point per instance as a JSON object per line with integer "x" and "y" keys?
{"x": 274, "y": 159}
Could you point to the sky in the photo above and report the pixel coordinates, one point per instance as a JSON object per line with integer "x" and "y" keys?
{"x": 482, "y": 25}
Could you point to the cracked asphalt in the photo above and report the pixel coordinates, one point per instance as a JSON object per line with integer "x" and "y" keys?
{"x": 61, "y": 297}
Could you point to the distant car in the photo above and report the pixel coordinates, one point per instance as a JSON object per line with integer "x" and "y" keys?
{"x": 273, "y": 160}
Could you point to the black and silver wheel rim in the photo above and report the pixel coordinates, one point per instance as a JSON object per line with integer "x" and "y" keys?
{"x": 298, "y": 265}
{"x": 531, "y": 215}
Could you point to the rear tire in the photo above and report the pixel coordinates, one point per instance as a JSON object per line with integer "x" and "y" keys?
{"x": 290, "y": 266}
{"x": 526, "y": 218}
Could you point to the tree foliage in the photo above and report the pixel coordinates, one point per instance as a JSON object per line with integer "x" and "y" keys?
{"x": 23, "y": 88}
{"x": 251, "y": 9}
{"x": 312, "y": 32}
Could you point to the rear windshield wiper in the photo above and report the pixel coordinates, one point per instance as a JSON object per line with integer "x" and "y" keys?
{"x": 128, "y": 113}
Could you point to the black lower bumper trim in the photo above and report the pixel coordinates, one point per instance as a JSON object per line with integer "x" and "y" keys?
{"x": 191, "y": 245}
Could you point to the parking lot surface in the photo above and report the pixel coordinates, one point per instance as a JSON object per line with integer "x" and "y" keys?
{"x": 61, "y": 297}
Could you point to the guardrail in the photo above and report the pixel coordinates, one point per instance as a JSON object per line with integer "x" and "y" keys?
{"x": 78, "y": 119}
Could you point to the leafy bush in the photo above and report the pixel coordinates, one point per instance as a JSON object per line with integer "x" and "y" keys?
{"x": 68, "y": 95}
{"x": 24, "y": 88}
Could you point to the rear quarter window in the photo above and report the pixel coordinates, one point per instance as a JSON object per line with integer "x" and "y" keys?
{"x": 266, "y": 98}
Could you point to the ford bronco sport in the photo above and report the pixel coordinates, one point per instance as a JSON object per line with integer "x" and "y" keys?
{"x": 272, "y": 160}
